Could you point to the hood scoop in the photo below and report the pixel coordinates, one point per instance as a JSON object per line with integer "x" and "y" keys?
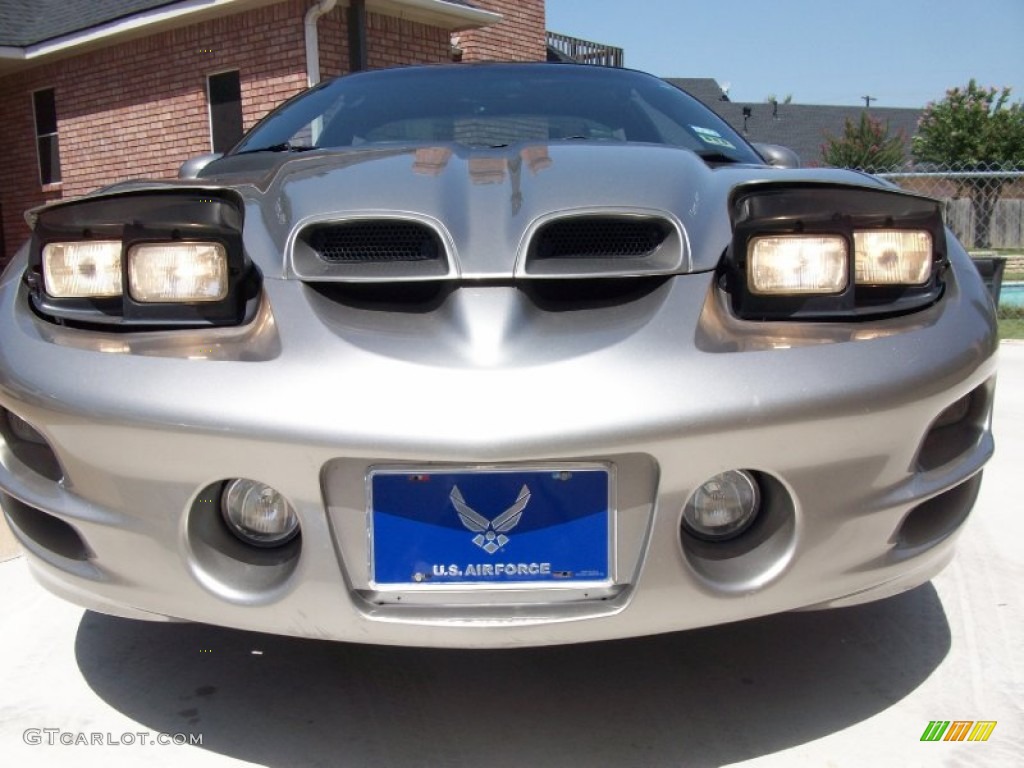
{"x": 603, "y": 245}
{"x": 566, "y": 245}
{"x": 371, "y": 249}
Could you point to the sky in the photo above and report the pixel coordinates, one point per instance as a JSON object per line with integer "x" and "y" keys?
{"x": 904, "y": 53}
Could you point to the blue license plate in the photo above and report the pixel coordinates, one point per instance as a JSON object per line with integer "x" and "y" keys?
{"x": 490, "y": 527}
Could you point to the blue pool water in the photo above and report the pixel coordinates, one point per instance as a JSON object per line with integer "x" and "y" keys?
{"x": 1012, "y": 295}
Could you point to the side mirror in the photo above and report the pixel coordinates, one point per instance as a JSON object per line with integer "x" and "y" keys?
{"x": 778, "y": 157}
{"x": 190, "y": 168}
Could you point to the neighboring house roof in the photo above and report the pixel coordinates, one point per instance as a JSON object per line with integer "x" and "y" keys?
{"x": 26, "y": 23}
{"x": 803, "y": 127}
{"x": 704, "y": 88}
{"x": 33, "y": 30}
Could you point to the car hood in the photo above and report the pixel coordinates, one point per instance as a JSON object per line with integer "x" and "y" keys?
{"x": 486, "y": 200}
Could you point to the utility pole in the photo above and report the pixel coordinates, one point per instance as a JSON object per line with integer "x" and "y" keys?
{"x": 868, "y": 100}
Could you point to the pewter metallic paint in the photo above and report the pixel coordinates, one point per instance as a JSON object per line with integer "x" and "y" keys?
{"x": 670, "y": 388}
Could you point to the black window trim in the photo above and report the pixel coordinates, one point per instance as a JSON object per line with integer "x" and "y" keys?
{"x": 39, "y": 136}
{"x": 209, "y": 105}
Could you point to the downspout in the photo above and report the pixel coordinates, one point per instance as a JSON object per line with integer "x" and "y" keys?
{"x": 317, "y": 10}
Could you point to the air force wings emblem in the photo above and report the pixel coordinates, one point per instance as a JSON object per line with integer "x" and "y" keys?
{"x": 490, "y": 534}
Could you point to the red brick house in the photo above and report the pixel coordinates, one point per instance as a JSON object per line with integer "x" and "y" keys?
{"x": 97, "y": 91}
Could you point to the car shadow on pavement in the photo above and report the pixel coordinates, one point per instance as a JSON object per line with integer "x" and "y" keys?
{"x": 703, "y": 697}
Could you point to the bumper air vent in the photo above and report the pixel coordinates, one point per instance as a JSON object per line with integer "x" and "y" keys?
{"x": 29, "y": 446}
{"x": 929, "y": 523}
{"x": 43, "y": 533}
{"x": 958, "y": 429}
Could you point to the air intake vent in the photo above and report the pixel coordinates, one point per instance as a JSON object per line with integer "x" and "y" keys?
{"x": 611, "y": 245}
{"x": 373, "y": 242}
{"x": 600, "y": 238}
{"x": 371, "y": 249}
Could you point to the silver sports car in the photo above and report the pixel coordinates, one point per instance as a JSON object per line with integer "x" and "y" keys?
{"x": 493, "y": 355}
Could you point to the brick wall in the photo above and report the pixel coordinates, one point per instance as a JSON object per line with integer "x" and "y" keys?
{"x": 519, "y": 36}
{"x": 138, "y": 109}
{"x": 390, "y": 42}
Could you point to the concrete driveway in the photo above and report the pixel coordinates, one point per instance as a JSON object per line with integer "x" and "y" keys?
{"x": 852, "y": 687}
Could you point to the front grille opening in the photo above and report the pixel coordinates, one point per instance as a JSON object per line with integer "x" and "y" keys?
{"x": 46, "y": 531}
{"x": 600, "y": 237}
{"x": 375, "y": 242}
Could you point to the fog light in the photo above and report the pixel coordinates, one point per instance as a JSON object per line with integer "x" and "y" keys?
{"x": 723, "y": 507}
{"x": 257, "y": 514}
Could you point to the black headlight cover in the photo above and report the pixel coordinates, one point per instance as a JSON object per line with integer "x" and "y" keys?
{"x": 149, "y": 216}
{"x": 809, "y": 208}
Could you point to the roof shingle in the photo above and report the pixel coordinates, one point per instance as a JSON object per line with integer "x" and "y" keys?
{"x": 29, "y": 23}
{"x": 801, "y": 127}
{"x": 705, "y": 89}
{"x": 23, "y": 24}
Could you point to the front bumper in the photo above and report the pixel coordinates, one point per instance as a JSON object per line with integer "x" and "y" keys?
{"x": 668, "y": 389}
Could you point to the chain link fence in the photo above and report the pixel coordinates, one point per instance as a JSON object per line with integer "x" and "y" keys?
{"x": 984, "y": 205}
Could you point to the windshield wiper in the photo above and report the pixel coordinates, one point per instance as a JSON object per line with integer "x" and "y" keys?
{"x": 284, "y": 146}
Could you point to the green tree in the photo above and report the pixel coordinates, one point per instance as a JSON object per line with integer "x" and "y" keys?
{"x": 865, "y": 145}
{"x": 977, "y": 131}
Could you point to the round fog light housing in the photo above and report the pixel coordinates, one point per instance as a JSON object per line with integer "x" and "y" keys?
{"x": 257, "y": 514}
{"x": 723, "y": 506}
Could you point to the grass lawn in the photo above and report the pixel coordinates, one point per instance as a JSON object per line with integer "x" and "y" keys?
{"x": 1011, "y": 322}
{"x": 1011, "y": 328}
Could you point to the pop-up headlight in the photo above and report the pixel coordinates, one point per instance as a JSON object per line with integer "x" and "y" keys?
{"x": 87, "y": 269}
{"x": 143, "y": 259}
{"x": 892, "y": 257}
{"x": 178, "y": 272}
{"x": 825, "y": 251}
{"x": 795, "y": 264}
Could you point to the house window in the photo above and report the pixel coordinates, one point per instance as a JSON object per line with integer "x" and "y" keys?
{"x": 225, "y": 96}
{"x": 44, "y": 105}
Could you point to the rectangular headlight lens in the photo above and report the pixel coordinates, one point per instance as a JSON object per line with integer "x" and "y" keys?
{"x": 84, "y": 270}
{"x": 797, "y": 264}
{"x": 892, "y": 257}
{"x": 178, "y": 272}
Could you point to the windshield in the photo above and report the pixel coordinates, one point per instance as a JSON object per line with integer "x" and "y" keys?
{"x": 495, "y": 105}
